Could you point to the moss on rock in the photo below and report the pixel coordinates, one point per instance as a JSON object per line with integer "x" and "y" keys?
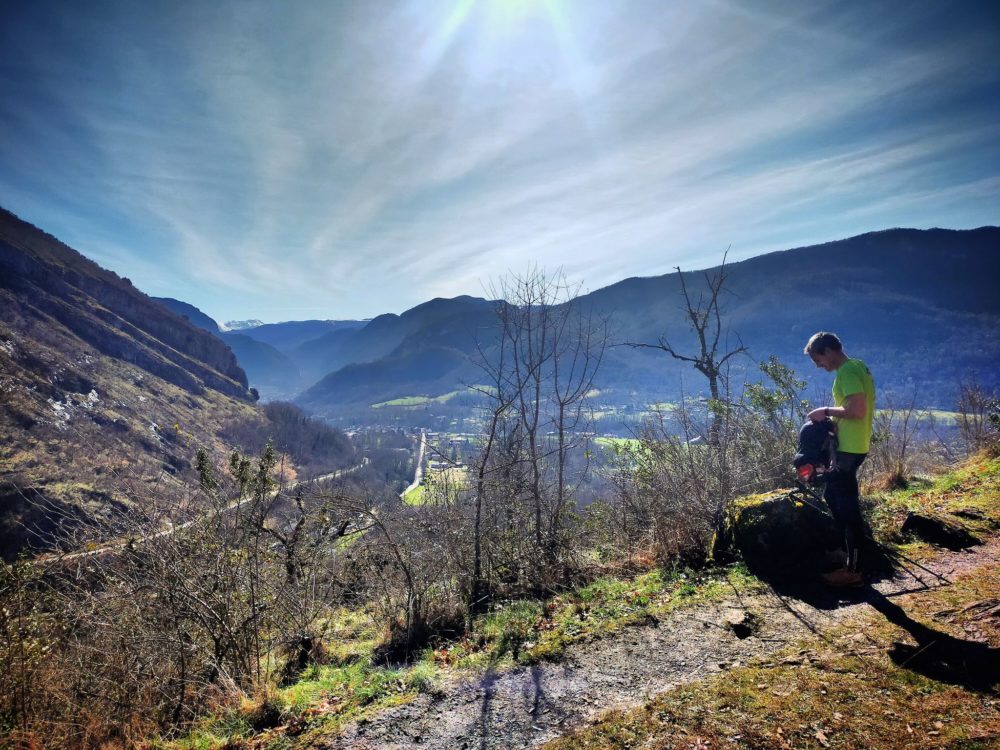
{"x": 777, "y": 535}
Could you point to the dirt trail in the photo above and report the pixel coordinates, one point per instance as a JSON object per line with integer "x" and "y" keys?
{"x": 527, "y": 706}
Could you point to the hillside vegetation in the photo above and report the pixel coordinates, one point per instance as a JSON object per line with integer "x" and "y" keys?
{"x": 834, "y": 691}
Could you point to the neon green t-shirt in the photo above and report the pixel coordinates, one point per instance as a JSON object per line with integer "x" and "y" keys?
{"x": 854, "y": 435}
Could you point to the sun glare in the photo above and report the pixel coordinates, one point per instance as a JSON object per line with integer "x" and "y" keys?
{"x": 515, "y": 10}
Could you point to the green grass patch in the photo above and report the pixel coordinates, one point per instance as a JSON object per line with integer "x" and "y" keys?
{"x": 435, "y": 484}
{"x": 416, "y": 496}
{"x": 411, "y": 401}
{"x": 356, "y": 684}
{"x": 973, "y": 486}
{"x": 618, "y": 442}
{"x": 527, "y": 632}
{"x": 661, "y": 406}
{"x": 938, "y": 416}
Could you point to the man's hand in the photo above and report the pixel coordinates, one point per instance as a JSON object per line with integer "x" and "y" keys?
{"x": 855, "y": 407}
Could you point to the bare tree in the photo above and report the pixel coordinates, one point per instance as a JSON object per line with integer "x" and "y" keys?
{"x": 499, "y": 395}
{"x": 579, "y": 342}
{"x": 705, "y": 319}
{"x": 540, "y": 370}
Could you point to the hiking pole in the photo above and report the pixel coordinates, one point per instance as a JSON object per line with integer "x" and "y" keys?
{"x": 900, "y": 558}
{"x": 806, "y": 493}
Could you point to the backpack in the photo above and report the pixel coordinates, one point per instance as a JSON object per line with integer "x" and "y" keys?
{"x": 817, "y": 454}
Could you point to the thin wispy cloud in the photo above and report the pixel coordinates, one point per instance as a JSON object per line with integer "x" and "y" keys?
{"x": 261, "y": 160}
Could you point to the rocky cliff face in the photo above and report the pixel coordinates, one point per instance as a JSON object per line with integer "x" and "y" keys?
{"x": 46, "y": 278}
{"x": 105, "y": 396}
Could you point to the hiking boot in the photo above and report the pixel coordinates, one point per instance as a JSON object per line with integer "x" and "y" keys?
{"x": 844, "y": 578}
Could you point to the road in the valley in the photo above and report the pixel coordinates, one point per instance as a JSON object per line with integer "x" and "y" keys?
{"x": 418, "y": 475}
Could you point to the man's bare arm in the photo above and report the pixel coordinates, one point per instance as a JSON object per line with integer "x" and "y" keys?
{"x": 855, "y": 407}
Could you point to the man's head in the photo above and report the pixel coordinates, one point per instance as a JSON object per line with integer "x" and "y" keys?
{"x": 826, "y": 350}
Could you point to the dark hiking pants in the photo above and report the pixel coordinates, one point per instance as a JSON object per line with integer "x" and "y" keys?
{"x": 843, "y": 497}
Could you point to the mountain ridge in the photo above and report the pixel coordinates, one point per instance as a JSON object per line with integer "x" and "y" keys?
{"x": 112, "y": 314}
{"x": 893, "y": 295}
{"x": 103, "y": 391}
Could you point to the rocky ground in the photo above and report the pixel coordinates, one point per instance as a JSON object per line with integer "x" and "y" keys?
{"x": 528, "y": 706}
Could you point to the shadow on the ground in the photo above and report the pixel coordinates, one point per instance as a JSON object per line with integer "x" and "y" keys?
{"x": 974, "y": 666}
{"x": 533, "y": 693}
{"x": 804, "y": 582}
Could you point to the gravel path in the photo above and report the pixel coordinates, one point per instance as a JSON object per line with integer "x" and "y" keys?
{"x": 527, "y": 706}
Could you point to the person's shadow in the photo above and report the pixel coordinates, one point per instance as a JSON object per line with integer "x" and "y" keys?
{"x": 975, "y": 666}
{"x": 942, "y": 657}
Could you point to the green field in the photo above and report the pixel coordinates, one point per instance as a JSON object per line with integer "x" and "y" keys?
{"x": 617, "y": 442}
{"x": 416, "y": 496}
{"x": 434, "y": 484}
{"x": 410, "y": 401}
{"x": 662, "y": 406}
{"x": 940, "y": 416}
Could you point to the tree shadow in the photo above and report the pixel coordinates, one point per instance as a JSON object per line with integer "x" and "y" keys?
{"x": 533, "y": 692}
{"x": 968, "y": 664}
{"x": 488, "y": 682}
{"x": 537, "y": 693}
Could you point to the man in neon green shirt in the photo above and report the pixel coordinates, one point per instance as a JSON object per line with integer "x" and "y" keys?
{"x": 853, "y": 410}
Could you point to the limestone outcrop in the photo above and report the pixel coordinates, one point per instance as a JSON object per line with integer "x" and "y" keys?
{"x": 47, "y": 278}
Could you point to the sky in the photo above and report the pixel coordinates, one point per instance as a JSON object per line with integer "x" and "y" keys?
{"x": 338, "y": 160}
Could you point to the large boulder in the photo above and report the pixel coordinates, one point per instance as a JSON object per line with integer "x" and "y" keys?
{"x": 778, "y": 536}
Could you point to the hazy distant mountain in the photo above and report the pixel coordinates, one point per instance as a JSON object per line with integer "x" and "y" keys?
{"x": 268, "y": 370}
{"x": 190, "y": 312}
{"x": 272, "y": 373}
{"x": 920, "y": 306}
{"x": 288, "y": 336}
{"x": 239, "y": 325}
{"x": 381, "y": 336}
{"x": 426, "y": 371}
